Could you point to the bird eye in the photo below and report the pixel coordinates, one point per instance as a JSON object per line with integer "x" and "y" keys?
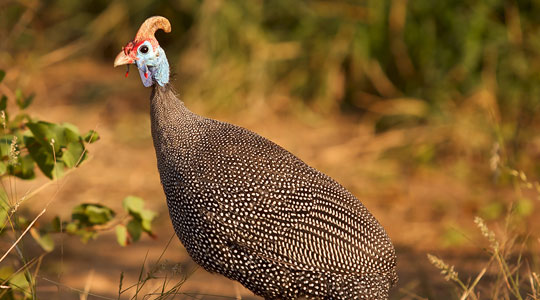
{"x": 144, "y": 49}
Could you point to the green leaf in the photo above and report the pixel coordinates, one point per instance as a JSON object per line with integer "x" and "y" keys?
{"x": 24, "y": 168}
{"x": 22, "y": 101}
{"x": 18, "y": 121}
{"x": 77, "y": 213}
{"x": 56, "y": 225}
{"x": 5, "y": 145}
{"x": 91, "y": 136}
{"x": 86, "y": 235}
{"x": 121, "y": 235}
{"x": 69, "y": 159}
{"x": 3, "y": 168}
{"x": 72, "y": 132}
{"x": 68, "y": 145}
{"x": 58, "y": 170}
{"x": 44, "y": 240}
{"x": 6, "y": 272}
{"x": 45, "y": 133}
{"x": 3, "y": 102}
{"x": 135, "y": 229}
{"x": 135, "y": 207}
{"x": 2, "y": 75}
{"x": 3, "y": 196}
{"x": 18, "y": 282}
{"x": 98, "y": 214}
{"x": 133, "y": 204}
{"x": 147, "y": 225}
{"x": 83, "y": 217}
{"x": 88, "y": 214}
{"x": 42, "y": 155}
{"x": 147, "y": 216}
{"x": 71, "y": 227}
{"x": 73, "y": 154}
{"x": 4, "y": 208}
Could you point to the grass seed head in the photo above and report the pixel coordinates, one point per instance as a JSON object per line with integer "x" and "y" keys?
{"x": 13, "y": 152}
{"x": 446, "y": 270}
{"x": 487, "y": 233}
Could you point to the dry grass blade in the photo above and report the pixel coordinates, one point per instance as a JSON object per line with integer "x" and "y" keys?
{"x": 535, "y": 284}
{"x": 23, "y": 233}
{"x": 473, "y": 285}
{"x": 25, "y": 268}
{"x": 35, "y": 219}
{"x": 87, "y": 285}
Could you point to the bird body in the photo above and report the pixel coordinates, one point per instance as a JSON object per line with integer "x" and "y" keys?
{"x": 248, "y": 209}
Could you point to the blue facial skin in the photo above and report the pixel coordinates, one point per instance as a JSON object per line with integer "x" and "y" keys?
{"x": 154, "y": 63}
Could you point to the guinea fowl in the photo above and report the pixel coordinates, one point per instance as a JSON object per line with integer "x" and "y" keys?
{"x": 250, "y": 210}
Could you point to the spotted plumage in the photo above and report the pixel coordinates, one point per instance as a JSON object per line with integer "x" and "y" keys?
{"x": 248, "y": 209}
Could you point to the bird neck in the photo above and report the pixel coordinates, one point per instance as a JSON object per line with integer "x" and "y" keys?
{"x": 174, "y": 126}
{"x": 165, "y": 108}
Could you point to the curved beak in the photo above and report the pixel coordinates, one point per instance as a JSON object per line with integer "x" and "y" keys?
{"x": 122, "y": 59}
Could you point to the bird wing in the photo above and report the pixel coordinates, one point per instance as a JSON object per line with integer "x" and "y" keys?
{"x": 286, "y": 211}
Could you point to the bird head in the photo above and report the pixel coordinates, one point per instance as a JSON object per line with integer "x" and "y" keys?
{"x": 145, "y": 52}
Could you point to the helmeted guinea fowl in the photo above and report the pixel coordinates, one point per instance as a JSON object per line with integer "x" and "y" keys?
{"x": 248, "y": 209}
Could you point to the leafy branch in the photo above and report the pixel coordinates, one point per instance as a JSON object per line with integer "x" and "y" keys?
{"x": 27, "y": 145}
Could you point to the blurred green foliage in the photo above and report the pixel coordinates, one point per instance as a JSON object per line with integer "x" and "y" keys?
{"x": 141, "y": 221}
{"x": 332, "y": 56}
{"x": 26, "y": 142}
{"x": 342, "y": 52}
